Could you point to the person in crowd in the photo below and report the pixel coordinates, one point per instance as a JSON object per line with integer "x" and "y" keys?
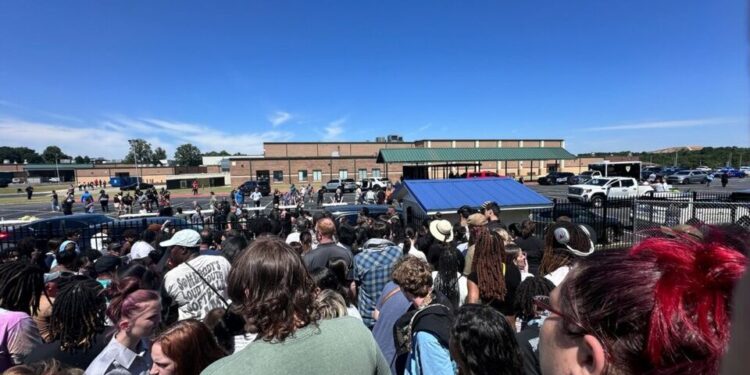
{"x": 104, "y": 200}
{"x": 29, "y": 191}
{"x": 427, "y": 325}
{"x": 409, "y": 244}
{"x": 372, "y": 269}
{"x": 21, "y": 286}
{"x": 185, "y": 348}
{"x": 136, "y": 315}
{"x": 331, "y": 305}
{"x": 529, "y": 319}
{"x": 477, "y": 224}
{"x": 563, "y": 244}
{"x": 491, "y": 210}
{"x": 325, "y": 232}
{"x": 660, "y": 307}
{"x": 232, "y": 246}
{"x": 724, "y": 180}
{"x": 77, "y": 324}
{"x": 256, "y": 196}
{"x": 55, "y": 201}
{"x": 66, "y": 258}
{"x": 67, "y": 205}
{"x": 442, "y": 234}
{"x": 333, "y": 278}
{"x": 391, "y": 306}
{"x": 287, "y": 322}
{"x": 448, "y": 279}
{"x": 514, "y": 254}
{"x": 493, "y": 280}
{"x": 531, "y": 245}
{"x": 100, "y": 240}
{"x": 196, "y": 283}
{"x": 482, "y": 342}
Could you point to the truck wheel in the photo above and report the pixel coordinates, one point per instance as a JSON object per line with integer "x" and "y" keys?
{"x": 597, "y": 201}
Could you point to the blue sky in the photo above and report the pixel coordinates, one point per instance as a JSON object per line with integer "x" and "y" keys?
{"x": 604, "y": 75}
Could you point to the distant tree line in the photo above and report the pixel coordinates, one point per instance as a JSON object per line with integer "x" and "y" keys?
{"x": 713, "y": 157}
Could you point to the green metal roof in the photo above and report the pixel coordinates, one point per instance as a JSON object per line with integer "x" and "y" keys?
{"x": 419, "y": 155}
{"x": 64, "y": 166}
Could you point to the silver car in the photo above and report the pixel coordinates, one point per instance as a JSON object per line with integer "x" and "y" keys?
{"x": 687, "y": 177}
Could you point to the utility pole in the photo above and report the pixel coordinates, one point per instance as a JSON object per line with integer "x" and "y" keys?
{"x": 135, "y": 157}
{"x": 57, "y": 168}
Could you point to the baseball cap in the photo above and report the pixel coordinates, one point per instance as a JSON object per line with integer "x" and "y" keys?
{"x": 140, "y": 250}
{"x": 184, "y": 238}
{"x": 476, "y": 220}
{"x": 107, "y": 263}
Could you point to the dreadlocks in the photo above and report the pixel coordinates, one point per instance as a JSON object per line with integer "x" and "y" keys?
{"x": 78, "y": 314}
{"x": 555, "y": 254}
{"x": 449, "y": 265}
{"x": 528, "y": 289}
{"x": 21, "y": 286}
{"x": 489, "y": 257}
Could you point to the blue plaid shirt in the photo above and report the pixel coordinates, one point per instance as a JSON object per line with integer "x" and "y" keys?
{"x": 372, "y": 270}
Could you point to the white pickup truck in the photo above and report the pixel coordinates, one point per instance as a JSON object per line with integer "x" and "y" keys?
{"x": 598, "y": 189}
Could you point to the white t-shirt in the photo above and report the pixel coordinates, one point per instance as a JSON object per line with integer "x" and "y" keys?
{"x": 463, "y": 289}
{"x": 557, "y": 276}
{"x": 193, "y": 297}
{"x": 256, "y": 195}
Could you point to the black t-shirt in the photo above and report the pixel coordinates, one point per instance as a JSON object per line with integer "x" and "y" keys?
{"x": 512, "y": 280}
{"x": 320, "y": 256}
{"x": 534, "y": 249}
{"x": 79, "y": 359}
{"x": 528, "y": 343}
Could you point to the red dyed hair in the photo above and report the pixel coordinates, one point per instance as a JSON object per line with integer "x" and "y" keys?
{"x": 191, "y": 345}
{"x": 127, "y": 297}
{"x": 662, "y": 307}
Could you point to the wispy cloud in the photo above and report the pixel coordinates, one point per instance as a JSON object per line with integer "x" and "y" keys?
{"x": 668, "y": 124}
{"x": 108, "y": 138}
{"x": 279, "y": 117}
{"x": 423, "y": 127}
{"x": 334, "y": 129}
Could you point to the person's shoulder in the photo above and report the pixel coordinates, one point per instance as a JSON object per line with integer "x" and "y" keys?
{"x": 235, "y": 363}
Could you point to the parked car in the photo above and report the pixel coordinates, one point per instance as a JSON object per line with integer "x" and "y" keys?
{"x": 142, "y": 186}
{"x": 350, "y": 212}
{"x": 656, "y": 171}
{"x": 263, "y": 186}
{"x": 731, "y": 172}
{"x": 581, "y": 215}
{"x": 687, "y": 177}
{"x": 480, "y": 174}
{"x": 346, "y": 185}
{"x": 55, "y": 227}
{"x": 555, "y": 178}
{"x": 583, "y": 177}
{"x": 372, "y": 183}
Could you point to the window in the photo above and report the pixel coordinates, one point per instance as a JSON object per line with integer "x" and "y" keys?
{"x": 343, "y": 173}
{"x": 302, "y": 175}
{"x": 278, "y": 176}
{"x": 376, "y": 172}
{"x": 317, "y": 175}
{"x": 627, "y": 183}
{"x": 362, "y": 174}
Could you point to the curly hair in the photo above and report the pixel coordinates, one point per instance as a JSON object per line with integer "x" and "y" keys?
{"x": 523, "y": 305}
{"x": 272, "y": 289}
{"x": 413, "y": 275}
{"x": 482, "y": 342}
{"x": 489, "y": 257}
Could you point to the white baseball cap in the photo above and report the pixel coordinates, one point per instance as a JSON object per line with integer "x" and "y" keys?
{"x": 140, "y": 250}
{"x": 184, "y": 238}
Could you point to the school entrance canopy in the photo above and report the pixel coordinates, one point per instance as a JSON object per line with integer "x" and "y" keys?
{"x": 422, "y": 198}
{"x": 451, "y": 157}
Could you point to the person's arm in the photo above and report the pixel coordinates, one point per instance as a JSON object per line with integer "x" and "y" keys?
{"x": 23, "y": 338}
{"x": 473, "y": 292}
{"x": 434, "y": 358}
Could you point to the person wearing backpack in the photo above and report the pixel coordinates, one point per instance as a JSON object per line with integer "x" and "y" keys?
{"x": 422, "y": 335}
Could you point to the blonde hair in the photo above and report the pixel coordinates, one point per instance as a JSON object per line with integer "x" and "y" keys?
{"x": 331, "y": 304}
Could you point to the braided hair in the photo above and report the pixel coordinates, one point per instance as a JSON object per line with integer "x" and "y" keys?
{"x": 78, "y": 314}
{"x": 21, "y": 286}
{"x": 527, "y": 290}
{"x": 489, "y": 257}
{"x": 450, "y": 264}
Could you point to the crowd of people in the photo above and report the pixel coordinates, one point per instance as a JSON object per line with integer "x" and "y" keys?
{"x": 302, "y": 293}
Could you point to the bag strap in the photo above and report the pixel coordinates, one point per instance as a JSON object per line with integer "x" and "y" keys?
{"x": 390, "y": 294}
{"x": 209, "y": 285}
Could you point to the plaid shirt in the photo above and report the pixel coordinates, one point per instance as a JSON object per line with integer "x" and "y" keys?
{"x": 372, "y": 270}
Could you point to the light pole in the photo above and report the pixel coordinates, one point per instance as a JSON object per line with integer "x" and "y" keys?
{"x": 135, "y": 157}
{"x": 57, "y": 168}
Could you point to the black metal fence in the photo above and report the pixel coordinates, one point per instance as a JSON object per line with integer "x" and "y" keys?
{"x": 620, "y": 222}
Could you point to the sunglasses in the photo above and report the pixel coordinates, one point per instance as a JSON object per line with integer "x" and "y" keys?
{"x": 544, "y": 303}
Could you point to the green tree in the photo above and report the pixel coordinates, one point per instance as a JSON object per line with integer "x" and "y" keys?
{"x": 159, "y": 155}
{"x": 20, "y": 155}
{"x": 188, "y": 155}
{"x": 140, "y": 151}
{"x": 82, "y": 159}
{"x": 53, "y": 154}
{"x": 217, "y": 153}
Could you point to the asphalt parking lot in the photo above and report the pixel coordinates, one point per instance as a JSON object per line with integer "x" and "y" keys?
{"x": 41, "y": 209}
